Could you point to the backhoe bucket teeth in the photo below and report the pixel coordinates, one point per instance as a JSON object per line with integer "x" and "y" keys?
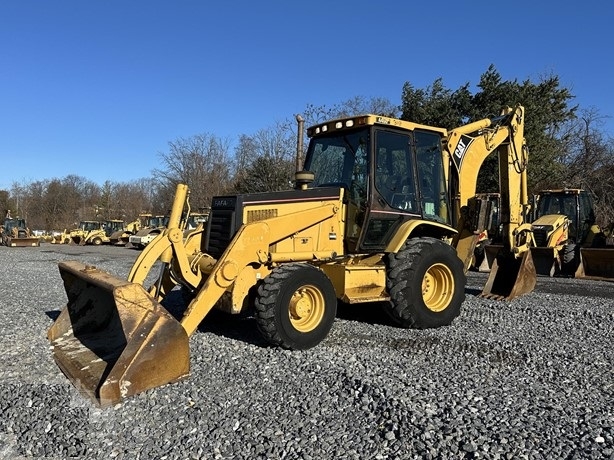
{"x": 113, "y": 339}
{"x": 596, "y": 263}
{"x": 510, "y": 277}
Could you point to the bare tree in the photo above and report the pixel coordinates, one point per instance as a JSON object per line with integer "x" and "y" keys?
{"x": 589, "y": 161}
{"x": 266, "y": 160}
{"x": 202, "y": 162}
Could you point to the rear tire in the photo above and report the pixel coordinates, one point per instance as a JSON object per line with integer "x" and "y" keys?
{"x": 426, "y": 283}
{"x": 97, "y": 241}
{"x": 295, "y": 306}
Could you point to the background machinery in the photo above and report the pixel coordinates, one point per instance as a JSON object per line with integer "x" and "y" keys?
{"x": 123, "y": 232}
{"x": 371, "y": 219}
{"x": 564, "y": 222}
{"x": 61, "y": 237}
{"x": 86, "y": 231}
{"x": 152, "y": 227}
{"x": 15, "y": 233}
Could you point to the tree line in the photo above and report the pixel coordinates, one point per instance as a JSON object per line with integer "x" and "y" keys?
{"x": 567, "y": 148}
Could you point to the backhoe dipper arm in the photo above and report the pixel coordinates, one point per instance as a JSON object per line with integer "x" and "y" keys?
{"x": 470, "y": 152}
{"x": 505, "y": 134}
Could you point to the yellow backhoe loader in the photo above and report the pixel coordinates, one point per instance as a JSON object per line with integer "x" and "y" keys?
{"x": 370, "y": 219}
{"x": 15, "y": 233}
{"x": 564, "y": 222}
{"x": 87, "y": 231}
{"x": 122, "y": 233}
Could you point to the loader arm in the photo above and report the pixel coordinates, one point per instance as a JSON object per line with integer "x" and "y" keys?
{"x": 165, "y": 246}
{"x": 251, "y": 245}
{"x": 169, "y": 240}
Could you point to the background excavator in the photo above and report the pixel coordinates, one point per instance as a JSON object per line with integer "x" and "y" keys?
{"x": 371, "y": 219}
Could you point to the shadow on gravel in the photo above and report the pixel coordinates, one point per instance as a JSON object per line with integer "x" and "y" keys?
{"x": 473, "y": 292}
{"x": 243, "y": 327}
{"x": 371, "y": 313}
{"x": 237, "y": 327}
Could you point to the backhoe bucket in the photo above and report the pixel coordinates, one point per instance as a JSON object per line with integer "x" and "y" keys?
{"x": 113, "y": 340}
{"x": 596, "y": 263}
{"x": 510, "y": 277}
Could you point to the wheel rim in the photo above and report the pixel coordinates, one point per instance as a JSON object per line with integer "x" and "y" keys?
{"x": 306, "y": 308}
{"x": 438, "y": 287}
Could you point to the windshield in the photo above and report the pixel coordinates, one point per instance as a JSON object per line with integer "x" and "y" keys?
{"x": 112, "y": 226}
{"x": 89, "y": 226}
{"x": 159, "y": 221}
{"x": 558, "y": 204}
{"x": 567, "y": 205}
{"x": 339, "y": 159}
{"x": 9, "y": 224}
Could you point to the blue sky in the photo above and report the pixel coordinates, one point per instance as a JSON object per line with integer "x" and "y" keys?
{"x": 99, "y": 88}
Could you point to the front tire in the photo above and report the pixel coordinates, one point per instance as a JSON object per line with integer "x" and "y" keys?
{"x": 570, "y": 258}
{"x": 426, "y": 283}
{"x": 295, "y": 306}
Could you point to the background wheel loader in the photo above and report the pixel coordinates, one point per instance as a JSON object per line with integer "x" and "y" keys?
{"x": 567, "y": 240}
{"x": 371, "y": 219}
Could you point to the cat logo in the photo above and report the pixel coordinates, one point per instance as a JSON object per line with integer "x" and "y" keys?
{"x": 462, "y": 147}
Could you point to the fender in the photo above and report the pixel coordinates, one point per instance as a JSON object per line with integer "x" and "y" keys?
{"x": 407, "y": 228}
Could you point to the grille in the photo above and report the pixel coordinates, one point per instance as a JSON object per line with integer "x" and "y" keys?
{"x": 261, "y": 214}
{"x": 541, "y": 237}
{"x": 221, "y": 231}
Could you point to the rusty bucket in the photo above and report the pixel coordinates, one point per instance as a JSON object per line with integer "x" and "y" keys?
{"x": 113, "y": 340}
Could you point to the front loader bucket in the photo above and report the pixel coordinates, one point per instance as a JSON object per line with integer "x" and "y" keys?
{"x": 596, "y": 263}
{"x": 113, "y": 340}
{"x": 24, "y": 242}
{"x": 510, "y": 277}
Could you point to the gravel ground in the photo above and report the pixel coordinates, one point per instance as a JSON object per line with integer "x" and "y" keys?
{"x": 531, "y": 378}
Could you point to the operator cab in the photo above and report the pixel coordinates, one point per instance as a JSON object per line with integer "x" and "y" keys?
{"x": 390, "y": 175}
{"x": 576, "y": 204}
